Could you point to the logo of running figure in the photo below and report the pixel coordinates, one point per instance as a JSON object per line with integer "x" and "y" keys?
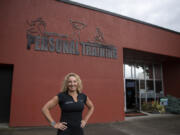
{"x": 99, "y": 38}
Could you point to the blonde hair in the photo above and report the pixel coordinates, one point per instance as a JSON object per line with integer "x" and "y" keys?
{"x": 65, "y": 82}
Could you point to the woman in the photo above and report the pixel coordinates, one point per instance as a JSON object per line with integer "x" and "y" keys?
{"x": 71, "y": 101}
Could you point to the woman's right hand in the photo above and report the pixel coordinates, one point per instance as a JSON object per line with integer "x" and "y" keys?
{"x": 61, "y": 125}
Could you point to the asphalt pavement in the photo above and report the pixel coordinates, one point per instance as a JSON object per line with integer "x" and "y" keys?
{"x": 152, "y": 124}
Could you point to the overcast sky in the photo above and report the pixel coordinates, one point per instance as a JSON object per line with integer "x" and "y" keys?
{"x": 164, "y": 13}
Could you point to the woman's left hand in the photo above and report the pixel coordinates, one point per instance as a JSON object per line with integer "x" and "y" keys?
{"x": 83, "y": 123}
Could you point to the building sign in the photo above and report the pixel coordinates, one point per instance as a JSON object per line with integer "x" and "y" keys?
{"x": 63, "y": 44}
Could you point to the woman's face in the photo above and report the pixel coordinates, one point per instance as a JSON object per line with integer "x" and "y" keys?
{"x": 72, "y": 83}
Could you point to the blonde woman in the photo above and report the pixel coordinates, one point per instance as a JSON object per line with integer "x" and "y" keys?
{"x": 71, "y": 101}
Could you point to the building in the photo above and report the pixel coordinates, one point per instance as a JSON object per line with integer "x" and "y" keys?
{"x": 120, "y": 60}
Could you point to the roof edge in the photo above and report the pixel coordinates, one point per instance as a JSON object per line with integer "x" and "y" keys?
{"x": 116, "y": 15}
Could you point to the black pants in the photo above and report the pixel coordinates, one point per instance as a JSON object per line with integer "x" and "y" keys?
{"x": 71, "y": 130}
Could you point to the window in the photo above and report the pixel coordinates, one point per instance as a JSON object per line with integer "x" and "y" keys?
{"x": 149, "y": 71}
{"x": 158, "y": 86}
{"x": 142, "y": 84}
{"x": 157, "y": 71}
{"x": 149, "y": 76}
{"x": 127, "y": 71}
{"x": 139, "y": 72}
{"x": 149, "y": 85}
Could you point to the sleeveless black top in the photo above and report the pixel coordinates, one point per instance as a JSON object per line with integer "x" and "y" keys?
{"x": 71, "y": 111}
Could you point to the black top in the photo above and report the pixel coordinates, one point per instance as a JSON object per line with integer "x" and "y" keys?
{"x": 71, "y": 111}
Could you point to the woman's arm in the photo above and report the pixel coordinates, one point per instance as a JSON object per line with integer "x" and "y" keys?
{"x": 49, "y": 105}
{"x": 46, "y": 111}
{"x": 90, "y": 107}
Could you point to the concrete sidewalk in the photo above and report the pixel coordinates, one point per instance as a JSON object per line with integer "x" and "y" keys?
{"x": 153, "y": 124}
